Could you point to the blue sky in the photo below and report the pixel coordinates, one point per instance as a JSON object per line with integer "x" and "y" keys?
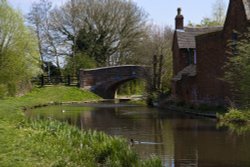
{"x": 161, "y": 12}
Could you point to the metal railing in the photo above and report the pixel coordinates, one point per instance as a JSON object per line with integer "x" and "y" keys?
{"x": 56, "y": 80}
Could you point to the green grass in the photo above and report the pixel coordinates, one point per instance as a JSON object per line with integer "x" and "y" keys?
{"x": 43, "y": 143}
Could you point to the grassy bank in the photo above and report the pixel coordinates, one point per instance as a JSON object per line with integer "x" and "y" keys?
{"x": 51, "y": 143}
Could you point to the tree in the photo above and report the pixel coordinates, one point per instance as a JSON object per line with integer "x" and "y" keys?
{"x": 218, "y": 16}
{"x": 83, "y": 61}
{"x": 156, "y": 49}
{"x": 38, "y": 18}
{"x": 219, "y": 12}
{"x": 51, "y": 47}
{"x": 105, "y": 30}
{"x": 18, "y": 50}
{"x": 237, "y": 69}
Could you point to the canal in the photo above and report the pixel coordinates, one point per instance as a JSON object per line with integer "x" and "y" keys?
{"x": 179, "y": 140}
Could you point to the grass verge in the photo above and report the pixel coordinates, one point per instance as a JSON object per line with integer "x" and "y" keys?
{"x": 52, "y": 143}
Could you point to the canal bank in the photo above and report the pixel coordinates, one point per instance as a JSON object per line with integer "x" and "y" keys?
{"x": 179, "y": 139}
{"x": 201, "y": 110}
{"x": 195, "y": 112}
{"x": 51, "y": 143}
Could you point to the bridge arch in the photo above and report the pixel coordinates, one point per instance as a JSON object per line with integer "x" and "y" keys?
{"x": 105, "y": 81}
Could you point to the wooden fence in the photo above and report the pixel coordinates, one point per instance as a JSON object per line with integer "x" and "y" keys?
{"x": 56, "y": 80}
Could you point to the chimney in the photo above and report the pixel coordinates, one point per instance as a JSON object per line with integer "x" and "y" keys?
{"x": 179, "y": 20}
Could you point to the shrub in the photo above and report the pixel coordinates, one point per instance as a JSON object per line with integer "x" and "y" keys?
{"x": 235, "y": 116}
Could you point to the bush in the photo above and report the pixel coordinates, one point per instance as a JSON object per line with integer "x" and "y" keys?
{"x": 152, "y": 162}
{"x": 235, "y": 116}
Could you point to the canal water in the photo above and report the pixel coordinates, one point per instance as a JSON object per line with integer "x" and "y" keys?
{"x": 180, "y": 140}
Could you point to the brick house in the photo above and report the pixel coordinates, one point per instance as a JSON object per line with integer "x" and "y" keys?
{"x": 200, "y": 53}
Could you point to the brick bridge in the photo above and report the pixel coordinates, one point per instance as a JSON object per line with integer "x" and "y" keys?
{"x": 105, "y": 81}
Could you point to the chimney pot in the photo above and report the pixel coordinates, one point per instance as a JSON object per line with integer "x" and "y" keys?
{"x": 179, "y": 20}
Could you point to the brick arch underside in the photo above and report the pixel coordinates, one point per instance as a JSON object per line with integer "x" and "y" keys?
{"x": 107, "y": 90}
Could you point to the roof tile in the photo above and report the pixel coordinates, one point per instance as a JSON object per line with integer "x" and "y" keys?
{"x": 186, "y": 38}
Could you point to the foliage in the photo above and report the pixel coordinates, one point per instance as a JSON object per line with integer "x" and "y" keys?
{"x": 18, "y": 50}
{"x": 235, "y": 116}
{"x": 167, "y": 75}
{"x": 238, "y": 121}
{"x": 153, "y": 162}
{"x": 238, "y": 69}
{"x": 134, "y": 87}
{"x": 82, "y": 61}
{"x": 157, "y": 43}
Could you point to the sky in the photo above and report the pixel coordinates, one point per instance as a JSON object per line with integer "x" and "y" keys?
{"x": 161, "y": 12}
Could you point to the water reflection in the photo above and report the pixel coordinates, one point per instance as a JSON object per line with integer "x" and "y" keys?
{"x": 180, "y": 140}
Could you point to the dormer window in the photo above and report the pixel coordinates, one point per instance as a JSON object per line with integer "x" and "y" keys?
{"x": 191, "y": 56}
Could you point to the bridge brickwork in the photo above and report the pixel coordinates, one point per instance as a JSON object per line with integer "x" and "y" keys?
{"x": 105, "y": 81}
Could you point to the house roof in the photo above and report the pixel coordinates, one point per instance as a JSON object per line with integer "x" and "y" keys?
{"x": 189, "y": 71}
{"x": 186, "y": 37}
{"x": 247, "y": 8}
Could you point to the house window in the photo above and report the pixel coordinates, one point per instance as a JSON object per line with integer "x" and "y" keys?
{"x": 234, "y": 43}
{"x": 191, "y": 56}
{"x": 195, "y": 56}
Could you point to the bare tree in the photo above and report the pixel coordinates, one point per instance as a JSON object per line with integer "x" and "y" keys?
{"x": 218, "y": 16}
{"x": 38, "y": 18}
{"x": 156, "y": 51}
{"x": 219, "y": 9}
{"x": 105, "y": 29}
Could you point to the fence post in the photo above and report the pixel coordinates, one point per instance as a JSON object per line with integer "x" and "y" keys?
{"x": 154, "y": 72}
{"x": 78, "y": 79}
{"x": 42, "y": 80}
{"x": 68, "y": 79}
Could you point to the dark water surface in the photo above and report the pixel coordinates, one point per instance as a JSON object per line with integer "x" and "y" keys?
{"x": 180, "y": 140}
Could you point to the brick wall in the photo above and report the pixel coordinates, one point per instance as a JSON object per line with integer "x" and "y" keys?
{"x": 212, "y": 55}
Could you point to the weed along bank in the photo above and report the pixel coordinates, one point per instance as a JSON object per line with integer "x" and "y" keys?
{"x": 199, "y": 55}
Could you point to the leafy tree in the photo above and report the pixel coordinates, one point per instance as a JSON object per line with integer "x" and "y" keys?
{"x": 18, "y": 50}
{"x": 237, "y": 69}
{"x": 83, "y": 61}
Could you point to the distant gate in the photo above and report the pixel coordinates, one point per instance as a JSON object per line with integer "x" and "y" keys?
{"x": 56, "y": 80}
